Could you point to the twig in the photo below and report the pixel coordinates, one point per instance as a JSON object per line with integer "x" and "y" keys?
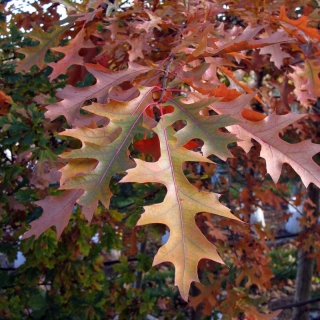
{"x": 165, "y": 78}
{"x": 110, "y": 263}
{"x": 8, "y": 269}
{"x": 296, "y": 304}
{"x": 290, "y": 235}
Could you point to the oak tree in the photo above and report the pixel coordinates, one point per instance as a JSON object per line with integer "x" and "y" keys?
{"x": 141, "y": 113}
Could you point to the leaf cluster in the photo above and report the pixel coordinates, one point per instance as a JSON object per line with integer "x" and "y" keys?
{"x": 131, "y": 114}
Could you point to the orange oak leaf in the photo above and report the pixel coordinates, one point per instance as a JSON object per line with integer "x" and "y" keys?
{"x": 251, "y": 312}
{"x": 259, "y": 276}
{"x": 5, "y": 102}
{"x": 225, "y": 93}
{"x": 186, "y": 245}
{"x": 252, "y": 115}
{"x": 74, "y": 98}
{"x": 208, "y": 296}
{"x": 245, "y": 41}
{"x": 300, "y": 24}
{"x": 245, "y": 87}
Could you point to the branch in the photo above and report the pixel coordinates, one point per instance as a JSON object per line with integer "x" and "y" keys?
{"x": 8, "y": 269}
{"x": 296, "y": 304}
{"x": 290, "y": 235}
{"x": 110, "y": 263}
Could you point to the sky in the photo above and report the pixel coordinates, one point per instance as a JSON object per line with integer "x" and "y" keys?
{"x": 24, "y": 5}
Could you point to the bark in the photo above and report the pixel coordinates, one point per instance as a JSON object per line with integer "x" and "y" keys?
{"x": 305, "y": 267}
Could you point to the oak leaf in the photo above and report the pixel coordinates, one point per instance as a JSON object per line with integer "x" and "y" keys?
{"x": 299, "y": 24}
{"x": 307, "y": 81}
{"x": 277, "y": 54}
{"x": 56, "y": 212}
{"x": 186, "y": 245}
{"x": 253, "y": 314}
{"x": 245, "y": 41}
{"x": 75, "y": 167}
{"x": 5, "y": 102}
{"x": 35, "y": 55}
{"x": 205, "y": 128}
{"x": 71, "y": 52}
{"x": 154, "y": 22}
{"x": 239, "y": 83}
{"x": 107, "y": 145}
{"x": 74, "y": 98}
{"x": 207, "y": 297}
{"x": 151, "y": 146}
{"x": 274, "y": 150}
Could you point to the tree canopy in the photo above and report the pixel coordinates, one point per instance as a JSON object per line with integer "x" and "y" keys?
{"x": 127, "y": 121}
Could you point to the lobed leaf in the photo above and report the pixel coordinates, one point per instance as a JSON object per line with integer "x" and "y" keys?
{"x": 307, "y": 81}
{"x": 202, "y": 127}
{"x": 56, "y": 212}
{"x": 299, "y": 24}
{"x": 71, "y": 52}
{"x": 274, "y": 150}
{"x": 35, "y": 55}
{"x": 186, "y": 245}
{"x": 74, "y": 98}
{"x": 108, "y": 145}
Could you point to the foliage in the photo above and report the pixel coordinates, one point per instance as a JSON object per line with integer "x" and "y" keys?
{"x": 284, "y": 262}
{"x": 127, "y": 114}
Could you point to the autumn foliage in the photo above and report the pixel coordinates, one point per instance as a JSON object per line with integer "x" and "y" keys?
{"x": 157, "y": 97}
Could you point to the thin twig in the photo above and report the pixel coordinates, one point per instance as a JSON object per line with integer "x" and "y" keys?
{"x": 165, "y": 78}
{"x": 110, "y": 263}
{"x": 8, "y": 269}
{"x": 296, "y": 304}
